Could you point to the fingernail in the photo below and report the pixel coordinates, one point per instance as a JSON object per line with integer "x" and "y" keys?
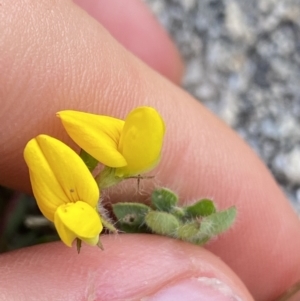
{"x": 202, "y": 288}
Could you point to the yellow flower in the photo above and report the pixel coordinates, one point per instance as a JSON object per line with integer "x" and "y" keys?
{"x": 131, "y": 147}
{"x": 64, "y": 189}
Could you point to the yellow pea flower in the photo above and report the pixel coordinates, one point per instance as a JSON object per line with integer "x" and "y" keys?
{"x": 65, "y": 190}
{"x": 131, "y": 146}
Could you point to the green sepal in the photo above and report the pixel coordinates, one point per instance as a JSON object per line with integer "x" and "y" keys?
{"x": 131, "y": 217}
{"x": 164, "y": 199}
{"x": 78, "y": 245}
{"x": 89, "y": 161}
{"x": 107, "y": 178}
{"x": 162, "y": 223}
{"x": 218, "y": 222}
{"x": 203, "y": 207}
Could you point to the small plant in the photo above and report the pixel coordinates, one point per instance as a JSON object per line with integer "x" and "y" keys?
{"x": 67, "y": 186}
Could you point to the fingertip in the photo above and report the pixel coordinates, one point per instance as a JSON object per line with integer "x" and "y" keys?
{"x": 131, "y": 267}
{"x": 135, "y": 27}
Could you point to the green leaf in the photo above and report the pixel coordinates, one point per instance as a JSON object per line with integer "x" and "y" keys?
{"x": 179, "y": 212}
{"x": 191, "y": 232}
{"x": 131, "y": 217}
{"x": 162, "y": 223}
{"x": 218, "y": 222}
{"x": 164, "y": 199}
{"x": 89, "y": 161}
{"x": 203, "y": 207}
{"x": 188, "y": 230}
{"x": 202, "y": 230}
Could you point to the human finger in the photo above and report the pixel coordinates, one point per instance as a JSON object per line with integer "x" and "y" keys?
{"x": 134, "y": 26}
{"x": 66, "y": 60}
{"x": 131, "y": 267}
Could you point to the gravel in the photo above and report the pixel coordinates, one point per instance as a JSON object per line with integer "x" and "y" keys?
{"x": 243, "y": 63}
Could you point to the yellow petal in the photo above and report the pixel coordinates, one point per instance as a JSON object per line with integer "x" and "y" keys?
{"x": 141, "y": 141}
{"x": 97, "y": 135}
{"x": 58, "y": 175}
{"x": 78, "y": 220}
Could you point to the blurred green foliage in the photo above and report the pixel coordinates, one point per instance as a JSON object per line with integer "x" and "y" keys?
{"x": 21, "y": 223}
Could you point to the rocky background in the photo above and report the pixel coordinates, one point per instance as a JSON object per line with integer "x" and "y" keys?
{"x": 243, "y": 63}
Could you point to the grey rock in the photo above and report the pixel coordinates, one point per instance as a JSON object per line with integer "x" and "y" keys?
{"x": 243, "y": 63}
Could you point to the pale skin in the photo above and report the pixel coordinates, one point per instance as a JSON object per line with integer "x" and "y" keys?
{"x": 54, "y": 56}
